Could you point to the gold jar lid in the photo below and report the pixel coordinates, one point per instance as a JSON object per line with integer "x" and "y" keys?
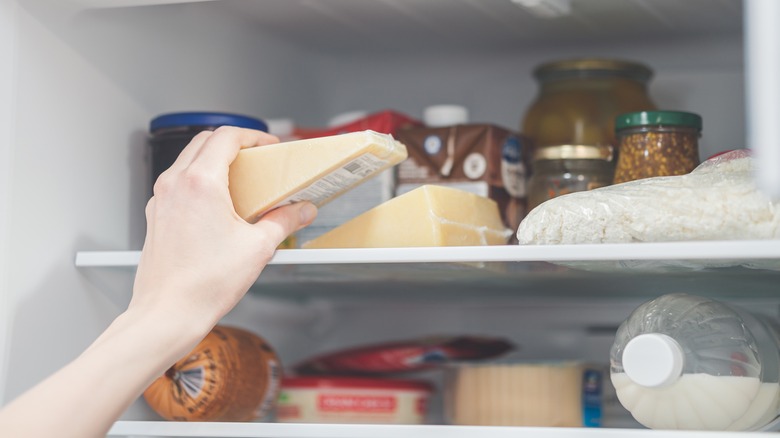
{"x": 588, "y": 67}
{"x": 573, "y": 152}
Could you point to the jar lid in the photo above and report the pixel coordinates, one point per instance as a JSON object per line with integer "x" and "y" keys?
{"x": 185, "y": 119}
{"x": 668, "y": 118}
{"x": 573, "y": 152}
{"x": 588, "y": 67}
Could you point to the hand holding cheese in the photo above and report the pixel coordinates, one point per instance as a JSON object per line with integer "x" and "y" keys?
{"x": 198, "y": 260}
{"x": 315, "y": 170}
{"x": 199, "y": 256}
{"x": 429, "y": 215}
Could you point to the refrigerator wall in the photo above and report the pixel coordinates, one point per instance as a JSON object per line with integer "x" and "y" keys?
{"x": 79, "y": 84}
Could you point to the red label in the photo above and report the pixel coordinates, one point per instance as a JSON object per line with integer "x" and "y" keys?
{"x": 356, "y": 403}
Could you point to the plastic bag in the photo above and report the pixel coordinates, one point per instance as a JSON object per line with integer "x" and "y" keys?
{"x": 716, "y": 201}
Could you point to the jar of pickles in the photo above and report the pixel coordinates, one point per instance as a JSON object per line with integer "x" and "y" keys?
{"x": 579, "y": 99}
{"x": 558, "y": 170}
{"x": 656, "y": 143}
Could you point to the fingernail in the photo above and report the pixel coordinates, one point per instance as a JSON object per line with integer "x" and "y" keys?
{"x": 308, "y": 213}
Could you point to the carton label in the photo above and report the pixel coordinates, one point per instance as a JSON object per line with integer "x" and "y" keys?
{"x": 340, "y": 180}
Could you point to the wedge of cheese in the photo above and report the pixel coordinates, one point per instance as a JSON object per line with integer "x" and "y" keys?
{"x": 315, "y": 170}
{"x": 429, "y": 215}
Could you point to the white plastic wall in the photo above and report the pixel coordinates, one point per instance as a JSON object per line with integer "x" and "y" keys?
{"x": 7, "y": 99}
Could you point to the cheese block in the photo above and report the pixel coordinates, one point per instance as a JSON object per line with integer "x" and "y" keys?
{"x": 429, "y": 215}
{"x": 315, "y": 170}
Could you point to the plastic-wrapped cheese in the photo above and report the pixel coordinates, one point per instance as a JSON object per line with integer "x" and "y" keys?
{"x": 427, "y": 216}
{"x": 718, "y": 200}
{"x": 315, "y": 170}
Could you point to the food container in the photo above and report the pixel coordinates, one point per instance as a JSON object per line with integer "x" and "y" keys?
{"x": 558, "y": 170}
{"x": 480, "y": 158}
{"x": 579, "y": 99}
{"x": 656, "y": 143}
{"x": 170, "y": 133}
{"x": 336, "y": 399}
{"x": 563, "y": 394}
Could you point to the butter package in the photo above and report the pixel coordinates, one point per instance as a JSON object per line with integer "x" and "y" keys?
{"x": 316, "y": 170}
{"x": 429, "y": 215}
{"x": 480, "y": 158}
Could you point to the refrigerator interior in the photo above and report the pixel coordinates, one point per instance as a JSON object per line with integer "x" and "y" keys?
{"x": 79, "y": 84}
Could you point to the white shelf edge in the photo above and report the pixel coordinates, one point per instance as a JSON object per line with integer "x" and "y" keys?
{"x": 711, "y": 250}
{"x": 290, "y": 430}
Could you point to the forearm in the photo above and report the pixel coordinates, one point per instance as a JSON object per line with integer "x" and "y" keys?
{"x": 85, "y": 397}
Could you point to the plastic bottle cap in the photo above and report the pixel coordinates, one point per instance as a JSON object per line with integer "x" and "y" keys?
{"x": 445, "y": 115}
{"x": 653, "y": 360}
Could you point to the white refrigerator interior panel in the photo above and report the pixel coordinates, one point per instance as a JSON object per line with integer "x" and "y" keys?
{"x": 72, "y": 170}
{"x": 7, "y": 117}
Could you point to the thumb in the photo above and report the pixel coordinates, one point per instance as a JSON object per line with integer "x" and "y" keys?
{"x": 283, "y": 221}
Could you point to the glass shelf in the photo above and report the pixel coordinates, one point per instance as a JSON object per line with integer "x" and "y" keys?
{"x": 717, "y": 269}
{"x": 279, "y": 430}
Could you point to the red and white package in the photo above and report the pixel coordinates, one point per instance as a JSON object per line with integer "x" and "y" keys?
{"x": 405, "y": 356}
{"x": 385, "y": 122}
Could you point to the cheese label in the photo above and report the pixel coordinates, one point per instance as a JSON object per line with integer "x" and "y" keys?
{"x": 341, "y": 179}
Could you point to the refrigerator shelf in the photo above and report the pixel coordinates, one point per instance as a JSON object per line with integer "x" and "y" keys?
{"x": 716, "y": 269}
{"x": 703, "y": 254}
{"x": 291, "y": 430}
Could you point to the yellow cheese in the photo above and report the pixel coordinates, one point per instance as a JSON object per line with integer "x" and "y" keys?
{"x": 429, "y": 215}
{"x": 315, "y": 170}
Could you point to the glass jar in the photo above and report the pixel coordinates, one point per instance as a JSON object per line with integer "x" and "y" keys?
{"x": 656, "y": 143}
{"x": 558, "y": 170}
{"x": 579, "y": 99}
{"x": 170, "y": 133}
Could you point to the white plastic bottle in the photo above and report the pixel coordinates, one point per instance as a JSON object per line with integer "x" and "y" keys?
{"x": 687, "y": 362}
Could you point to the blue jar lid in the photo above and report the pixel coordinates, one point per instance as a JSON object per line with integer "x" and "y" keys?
{"x": 175, "y": 120}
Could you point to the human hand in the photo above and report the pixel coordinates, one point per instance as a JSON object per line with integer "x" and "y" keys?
{"x": 200, "y": 257}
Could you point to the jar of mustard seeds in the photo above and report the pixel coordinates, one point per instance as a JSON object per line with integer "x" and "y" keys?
{"x": 656, "y": 143}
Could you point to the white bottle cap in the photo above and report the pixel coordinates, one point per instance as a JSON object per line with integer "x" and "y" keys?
{"x": 344, "y": 118}
{"x": 653, "y": 360}
{"x": 445, "y": 115}
{"x": 280, "y": 127}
